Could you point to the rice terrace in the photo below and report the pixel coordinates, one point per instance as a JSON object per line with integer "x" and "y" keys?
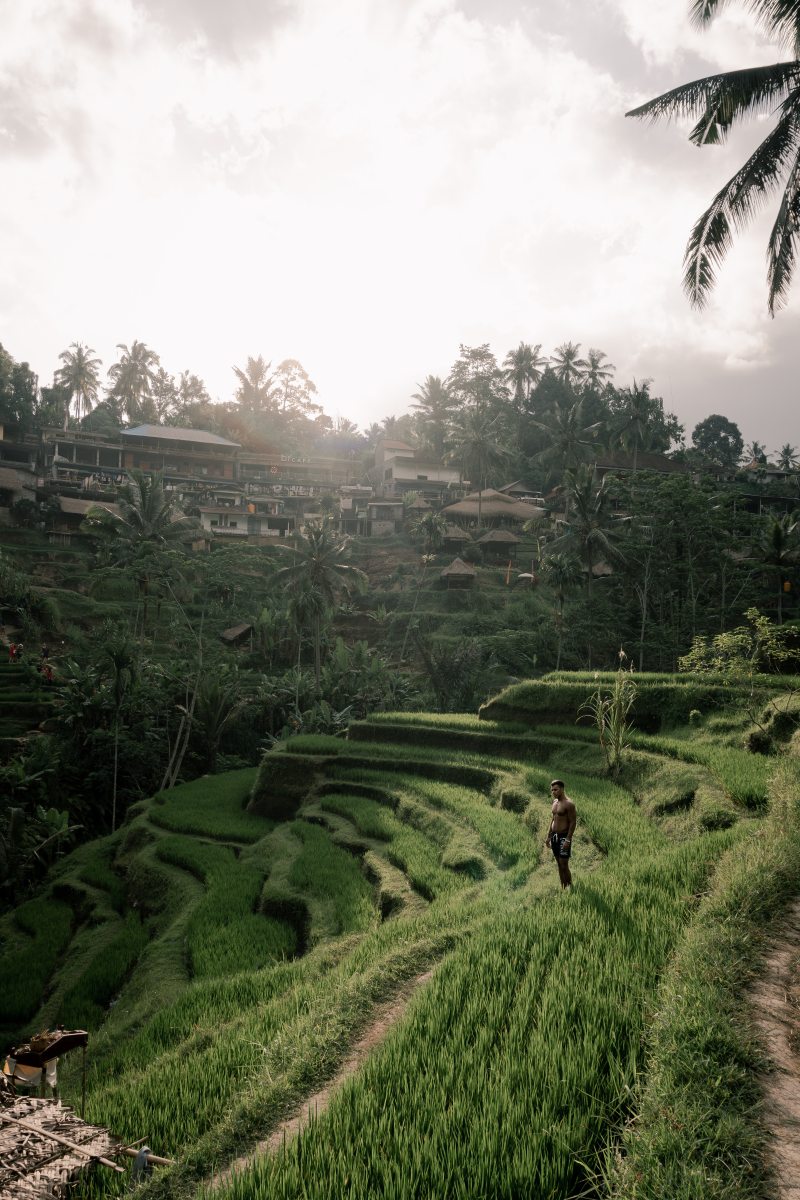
{"x": 250, "y": 926}
{"x": 399, "y": 748}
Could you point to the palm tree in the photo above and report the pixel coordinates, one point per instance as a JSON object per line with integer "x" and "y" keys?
{"x": 219, "y": 702}
{"x": 321, "y": 570}
{"x": 524, "y": 368}
{"x": 778, "y": 548}
{"x": 477, "y": 448}
{"x": 593, "y": 531}
{"x": 570, "y": 441}
{"x": 719, "y": 102}
{"x": 133, "y": 379}
{"x": 149, "y": 523}
{"x": 256, "y": 390}
{"x": 756, "y": 452}
{"x": 633, "y": 429}
{"x": 120, "y": 657}
{"x": 562, "y": 572}
{"x": 79, "y": 378}
{"x": 567, "y": 364}
{"x": 787, "y": 458}
{"x": 432, "y": 526}
{"x": 436, "y": 407}
{"x": 598, "y": 373}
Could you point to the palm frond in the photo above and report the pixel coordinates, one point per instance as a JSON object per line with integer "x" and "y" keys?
{"x": 720, "y": 100}
{"x": 736, "y": 203}
{"x": 783, "y": 242}
{"x": 780, "y": 18}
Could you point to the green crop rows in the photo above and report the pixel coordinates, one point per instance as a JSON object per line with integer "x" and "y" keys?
{"x": 239, "y": 958}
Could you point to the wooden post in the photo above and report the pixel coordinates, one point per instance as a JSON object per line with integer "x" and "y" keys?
{"x": 83, "y": 1083}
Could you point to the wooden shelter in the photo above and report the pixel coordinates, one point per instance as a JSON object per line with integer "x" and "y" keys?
{"x": 459, "y": 574}
{"x": 495, "y": 509}
{"x": 44, "y": 1146}
{"x": 455, "y": 536}
{"x": 499, "y": 543}
{"x": 237, "y": 633}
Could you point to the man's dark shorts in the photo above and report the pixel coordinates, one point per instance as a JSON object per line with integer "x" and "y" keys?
{"x": 557, "y": 841}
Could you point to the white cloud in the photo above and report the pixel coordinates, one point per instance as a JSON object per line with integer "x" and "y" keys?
{"x": 364, "y": 189}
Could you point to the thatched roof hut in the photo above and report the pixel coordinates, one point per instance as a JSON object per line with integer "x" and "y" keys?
{"x": 495, "y": 508}
{"x": 459, "y": 574}
{"x": 499, "y": 542}
{"x": 455, "y": 534}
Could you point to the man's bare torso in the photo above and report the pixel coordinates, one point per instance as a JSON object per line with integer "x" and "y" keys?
{"x": 562, "y": 811}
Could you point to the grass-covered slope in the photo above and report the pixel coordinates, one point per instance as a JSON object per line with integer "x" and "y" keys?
{"x": 230, "y": 944}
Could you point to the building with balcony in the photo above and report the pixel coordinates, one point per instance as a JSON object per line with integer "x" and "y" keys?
{"x": 400, "y": 469}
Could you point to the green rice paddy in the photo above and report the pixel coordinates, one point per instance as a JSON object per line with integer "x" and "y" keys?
{"x": 242, "y": 958}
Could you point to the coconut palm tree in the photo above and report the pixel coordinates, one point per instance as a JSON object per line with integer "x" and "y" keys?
{"x": 593, "y": 532}
{"x": 321, "y": 570}
{"x": 133, "y": 380}
{"x": 256, "y": 392}
{"x": 719, "y": 102}
{"x": 563, "y": 572}
{"x": 119, "y": 657}
{"x": 567, "y": 364}
{"x": 524, "y": 368}
{"x": 633, "y": 428}
{"x": 598, "y": 372}
{"x": 479, "y": 450}
{"x": 570, "y": 442}
{"x": 787, "y": 458}
{"x": 78, "y": 376}
{"x": 756, "y": 452}
{"x": 436, "y": 407}
{"x": 148, "y": 524}
{"x": 778, "y": 548}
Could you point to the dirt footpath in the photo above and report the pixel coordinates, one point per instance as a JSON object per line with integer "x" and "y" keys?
{"x": 313, "y": 1106}
{"x": 777, "y": 1006}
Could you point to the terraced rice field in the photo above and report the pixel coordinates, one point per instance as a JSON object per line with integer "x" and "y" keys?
{"x": 245, "y": 955}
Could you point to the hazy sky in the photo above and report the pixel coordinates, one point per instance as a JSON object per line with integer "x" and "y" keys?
{"x": 365, "y": 184}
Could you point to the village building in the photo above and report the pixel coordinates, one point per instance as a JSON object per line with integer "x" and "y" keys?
{"x": 499, "y": 543}
{"x": 459, "y": 574}
{"x": 400, "y": 469}
{"x": 493, "y": 508}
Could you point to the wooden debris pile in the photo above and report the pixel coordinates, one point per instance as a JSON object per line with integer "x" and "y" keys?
{"x": 43, "y": 1145}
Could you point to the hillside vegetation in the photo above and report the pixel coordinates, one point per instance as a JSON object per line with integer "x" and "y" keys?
{"x": 231, "y": 942}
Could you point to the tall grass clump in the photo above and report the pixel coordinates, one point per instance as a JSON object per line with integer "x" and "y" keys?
{"x": 695, "y": 1133}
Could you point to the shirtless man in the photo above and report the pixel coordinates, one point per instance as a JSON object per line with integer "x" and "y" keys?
{"x": 562, "y": 827}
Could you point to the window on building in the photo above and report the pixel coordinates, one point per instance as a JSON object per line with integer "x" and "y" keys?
{"x": 423, "y": 477}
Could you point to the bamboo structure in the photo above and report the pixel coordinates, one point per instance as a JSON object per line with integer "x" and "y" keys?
{"x": 44, "y": 1145}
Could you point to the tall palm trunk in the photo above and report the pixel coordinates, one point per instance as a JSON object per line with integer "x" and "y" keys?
{"x": 114, "y": 784}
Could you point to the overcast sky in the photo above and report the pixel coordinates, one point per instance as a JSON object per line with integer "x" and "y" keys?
{"x": 365, "y": 184}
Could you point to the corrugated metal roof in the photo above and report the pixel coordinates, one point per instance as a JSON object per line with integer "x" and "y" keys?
{"x": 171, "y": 433}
